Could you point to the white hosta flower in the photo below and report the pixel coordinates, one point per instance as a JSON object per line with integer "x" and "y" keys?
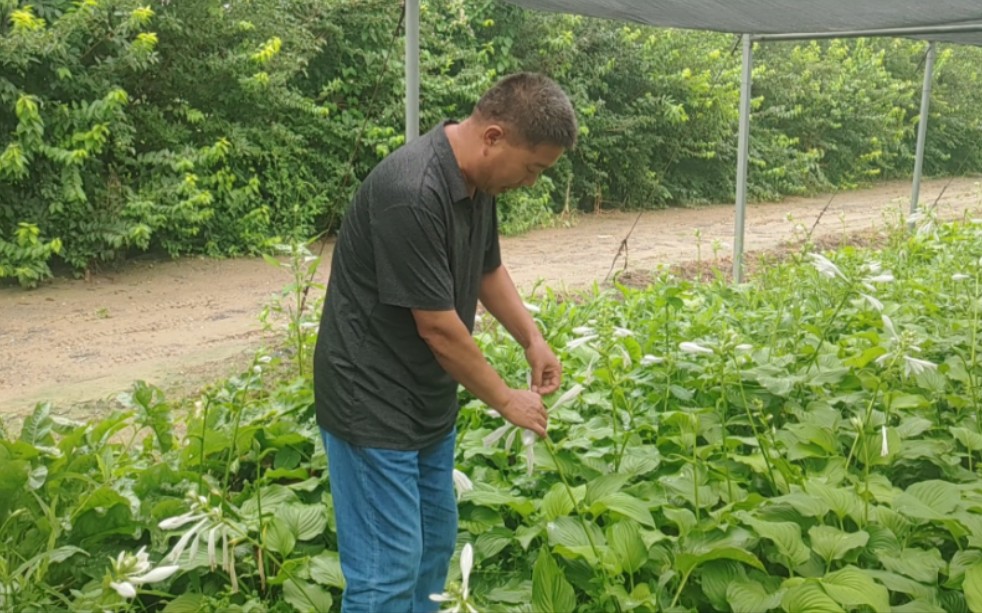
{"x": 916, "y": 366}
{"x": 958, "y": 276}
{"x": 466, "y": 565}
{"x": 173, "y": 523}
{"x": 873, "y": 267}
{"x": 695, "y": 348}
{"x": 462, "y": 483}
{"x": 131, "y": 570}
{"x": 743, "y": 348}
{"x": 888, "y": 326}
{"x": 124, "y": 588}
{"x": 531, "y": 308}
{"x": 568, "y": 396}
{"x": 583, "y": 331}
{"x": 856, "y": 423}
{"x": 622, "y": 332}
{"x": 825, "y": 266}
{"x": 873, "y": 302}
{"x": 884, "y": 445}
{"x": 528, "y": 441}
{"x": 649, "y": 359}
{"x": 156, "y": 575}
{"x": 459, "y": 601}
{"x": 583, "y": 340}
{"x": 884, "y": 278}
{"x": 626, "y": 358}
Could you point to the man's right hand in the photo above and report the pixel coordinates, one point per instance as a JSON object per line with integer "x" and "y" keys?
{"x": 526, "y": 410}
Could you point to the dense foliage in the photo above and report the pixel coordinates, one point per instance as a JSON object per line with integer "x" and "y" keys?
{"x": 809, "y": 441}
{"x": 221, "y": 127}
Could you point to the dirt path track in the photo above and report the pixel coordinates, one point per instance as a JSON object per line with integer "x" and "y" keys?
{"x": 181, "y": 324}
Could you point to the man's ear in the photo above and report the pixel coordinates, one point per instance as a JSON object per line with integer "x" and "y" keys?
{"x": 493, "y": 134}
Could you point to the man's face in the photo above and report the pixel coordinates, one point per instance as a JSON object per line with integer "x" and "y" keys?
{"x": 512, "y": 164}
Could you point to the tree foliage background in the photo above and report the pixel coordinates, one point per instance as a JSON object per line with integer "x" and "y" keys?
{"x": 220, "y": 127}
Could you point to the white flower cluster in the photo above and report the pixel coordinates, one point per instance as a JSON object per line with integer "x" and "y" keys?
{"x": 133, "y": 570}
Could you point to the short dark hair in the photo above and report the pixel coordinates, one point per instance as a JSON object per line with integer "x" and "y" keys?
{"x": 534, "y": 105}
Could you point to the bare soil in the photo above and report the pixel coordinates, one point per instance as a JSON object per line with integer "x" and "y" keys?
{"x": 182, "y": 324}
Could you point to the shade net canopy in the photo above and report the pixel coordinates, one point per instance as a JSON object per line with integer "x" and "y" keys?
{"x": 955, "y": 21}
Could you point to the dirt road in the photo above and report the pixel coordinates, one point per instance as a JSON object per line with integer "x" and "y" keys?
{"x": 185, "y": 323}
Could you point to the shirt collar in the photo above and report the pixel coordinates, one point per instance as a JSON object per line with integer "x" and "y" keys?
{"x": 448, "y": 163}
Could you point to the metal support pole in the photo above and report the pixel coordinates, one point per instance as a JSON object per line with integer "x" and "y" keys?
{"x": 412, "y": 69}
{"x": 743, "y": 150}
{"x": 915, "y": 192}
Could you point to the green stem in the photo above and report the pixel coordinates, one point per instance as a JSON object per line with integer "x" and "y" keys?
{"x": 678, "y": 592}
{"x": 753, "y": 426}
{"x": 576, "y": 507}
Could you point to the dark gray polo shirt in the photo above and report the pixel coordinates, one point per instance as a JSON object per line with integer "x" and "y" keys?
{"x": 411, "y": 239}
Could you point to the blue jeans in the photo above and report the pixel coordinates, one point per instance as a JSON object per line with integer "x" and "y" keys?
{"x": 397, "y": 523}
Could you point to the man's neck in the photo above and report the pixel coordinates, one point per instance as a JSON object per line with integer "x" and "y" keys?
{"x": 458, "y": 135}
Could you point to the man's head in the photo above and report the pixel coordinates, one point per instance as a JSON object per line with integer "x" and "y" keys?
{"x": 524, "y": 123}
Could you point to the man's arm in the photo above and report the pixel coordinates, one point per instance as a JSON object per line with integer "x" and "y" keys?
{"x": 458, "y": 354}
{"x": 501, "y": 299}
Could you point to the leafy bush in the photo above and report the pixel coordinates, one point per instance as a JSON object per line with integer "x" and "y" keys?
{"x": 200, "y": 126}
{"x": 806, "y": 441}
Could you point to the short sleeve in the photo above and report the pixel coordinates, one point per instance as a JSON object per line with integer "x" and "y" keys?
{"x": 411, "y": 260}
{"x": 492, "y": 251}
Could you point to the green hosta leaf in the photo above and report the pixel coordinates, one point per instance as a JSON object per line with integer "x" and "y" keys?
{"x": 918, "y": 564}
{"x": 625, "y": 541}
{"x": 805, "y": 504}
{"x": 492, "y": 542}
{"x": 686, "y": 562}
{"x": 896, "y": 523}
{"x": 786, "y": 536}
{"x": 853, "y": 587}
{"x": 37, "y": 427}
{"x": 556, "y": 502}
{"x": 843, "y": 502}
{"x": 272, "y": 497}
{"x": 683, "y": 518}
{"x": 568, "y": 535}
{"x": 640, "y": 460}
{"x": 913, "y": 426}
{"x": 960, "y": 562}
{"x": 972, "y": 586}
{"x": 903, "y": 585}
{"x": 815, "y": 435}
{"x": 306, "y": 521}
{"x": 882, "y": 541}
{"x": 603, "y": 486}
{"x": 307, "y": 597}
{"x": 746, "y": 596}
{"x": 808, "y": 597}
{"x": 715, "y": 578}
{"x": 550, "y": 589}
{"x": 186, "y": 603}
{"x": 279, "y": 536}
{"x": 919, "y": 606}
{"x": 928, "y": 500}
{"x": 513, "y": 591}
{"x": 831, "y": 543}
{"x": 970, "y": 439}
{"x": 325, "y": 568}
{"x": 477, "y": 520}
{"x": 526, "y": 534}
{"x": 626, "y": 505}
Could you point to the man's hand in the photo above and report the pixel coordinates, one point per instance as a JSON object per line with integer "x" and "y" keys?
{"x": 547, "y": 373}
{"x": 525, "y": 410}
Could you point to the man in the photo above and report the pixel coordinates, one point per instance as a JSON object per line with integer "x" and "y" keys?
{"x": 418, "y": 247}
